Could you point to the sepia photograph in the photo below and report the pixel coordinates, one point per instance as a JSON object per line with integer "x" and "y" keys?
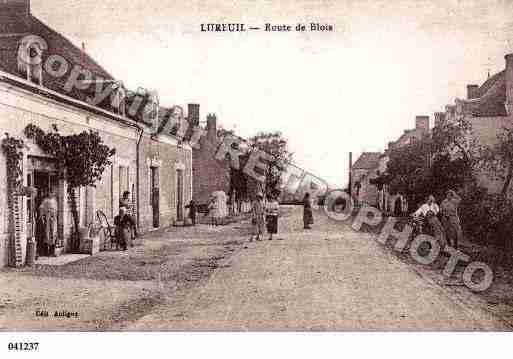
{"x": 255, "y": 166}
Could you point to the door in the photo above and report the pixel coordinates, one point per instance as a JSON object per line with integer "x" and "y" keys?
{"x": 155, "y": 194}
{"x": 179, "y": 195}
{"x": 46, "y": 184}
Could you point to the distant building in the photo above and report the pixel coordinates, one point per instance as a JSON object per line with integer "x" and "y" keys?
{"x": 488, "y": 108}
{"x": 370, "y": 166}
{"x": 363, "y": 170}
{"x": 209, "y": 174}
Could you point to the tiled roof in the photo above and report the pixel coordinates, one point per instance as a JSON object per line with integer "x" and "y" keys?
{"x": 492, "y": 96}
{"x": 367, "y": 160}
{"x": 14, "y": 29}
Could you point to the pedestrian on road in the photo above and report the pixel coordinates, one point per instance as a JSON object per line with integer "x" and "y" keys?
{"x": 272, "y": 212}
{"x": 258, "y": 219}
{"x": 429, "y": 211}
{"x": 307, "y": 212}
{"x": 192, "y": 211}
{"x": 451, "y": 219}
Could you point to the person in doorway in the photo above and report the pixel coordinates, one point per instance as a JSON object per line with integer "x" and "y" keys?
{"x": 126, "y": 203}
{"x": 272, "y": 209}
{"x": 258, "y": 220}
{"x": 192, "y": 211}
{"x": 451, "y": 219}
{"x": 48, "y": 223}
{"x": 124, "y": 224}
{"x": 307, "y": 212}
{"x": 429, "y": 212}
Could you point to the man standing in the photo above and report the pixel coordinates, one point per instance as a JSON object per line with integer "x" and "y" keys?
{"x": 451, "y": 219}
{"x": 192, "y": 211}
{"x": 307, "y": 212}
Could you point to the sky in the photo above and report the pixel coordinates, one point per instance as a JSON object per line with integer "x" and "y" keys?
{"x": 330, "y": 93}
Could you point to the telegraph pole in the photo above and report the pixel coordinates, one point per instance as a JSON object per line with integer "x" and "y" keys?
{"x": 350, "y": 185}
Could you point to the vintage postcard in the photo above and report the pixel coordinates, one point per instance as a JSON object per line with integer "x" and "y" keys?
{"x": 262, "y": 166}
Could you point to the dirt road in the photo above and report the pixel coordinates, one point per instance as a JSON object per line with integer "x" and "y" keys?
{"x": 329, "y": 278}
{"x": 211, "y": 278}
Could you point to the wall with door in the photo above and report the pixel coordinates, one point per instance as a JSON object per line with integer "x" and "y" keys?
{"x": 18, "y": 109}
{"x": 162, "y": 160}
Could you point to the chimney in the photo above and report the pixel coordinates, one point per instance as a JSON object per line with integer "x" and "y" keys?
{"x": 472, "y": 92}
{"x": 193, "y": 113}
{"x": 509, "y": 83}
{"x": 14, "y": 8}
{"x": 439, "y": 117}
{"x": 422, "y": 123}
{"x": 211, "y": 127}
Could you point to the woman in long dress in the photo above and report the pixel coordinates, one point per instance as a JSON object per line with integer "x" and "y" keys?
{"x": 124, "y": 225}
{"x": 307, "y": 212}
{"x": 48, "y": 221}
{"x": 272, "y": 211}
{"x": 258, "y": 217}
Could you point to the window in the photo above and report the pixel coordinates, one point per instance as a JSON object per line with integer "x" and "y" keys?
{"x": 124, "y": 180}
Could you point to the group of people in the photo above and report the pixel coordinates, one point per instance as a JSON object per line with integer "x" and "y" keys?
{"x": 265, "y": 215}
{"x": 444, "y": 219}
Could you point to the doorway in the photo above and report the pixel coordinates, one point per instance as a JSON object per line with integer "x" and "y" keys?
{"x": 46, "y": 183}
{"x": 179, "y": 195}
{"x": 155, "y": 196}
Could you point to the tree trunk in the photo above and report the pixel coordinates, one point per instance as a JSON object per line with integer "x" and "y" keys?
{"x": 507, "y": 181}
{"x": 74, "y": 213}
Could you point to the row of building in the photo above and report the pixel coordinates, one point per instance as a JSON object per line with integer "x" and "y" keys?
{"x": 488, "y": 108}
{"x": 162, "y": 172}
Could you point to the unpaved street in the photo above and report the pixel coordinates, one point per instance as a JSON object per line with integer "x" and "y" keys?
{"x": 330, "y": 278}
{"x": 205, "y": 278}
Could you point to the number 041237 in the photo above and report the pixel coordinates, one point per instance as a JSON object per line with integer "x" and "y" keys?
{"x": 22, "y": 346}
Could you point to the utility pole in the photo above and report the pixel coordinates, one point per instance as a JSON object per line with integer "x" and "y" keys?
{"x": 350, "y": 185}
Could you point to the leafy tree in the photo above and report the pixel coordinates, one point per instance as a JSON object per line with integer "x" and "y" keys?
{"x": 275, "y": 145}
{"x": 498, "y": 159}
{"x": 408, "y": 170}
{"x": 455, "y": 138}
{"x": 81, "y": 158}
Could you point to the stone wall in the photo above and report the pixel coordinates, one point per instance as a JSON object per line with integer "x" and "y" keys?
{"x": 168, "y": 158}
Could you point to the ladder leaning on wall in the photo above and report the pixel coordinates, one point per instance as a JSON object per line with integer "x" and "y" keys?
{"x": 18, "y": 229}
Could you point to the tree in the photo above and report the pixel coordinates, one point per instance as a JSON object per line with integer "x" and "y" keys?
{"x": 275, "y": 145}
{"x": 498, "y": 159}
{"x": 455, "y": 138}
{"x": 408, "y": 170}
{"x": 81, "y": 159}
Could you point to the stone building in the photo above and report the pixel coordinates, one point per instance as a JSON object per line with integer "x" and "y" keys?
{"x": 371, "y": 165}
{"x": 209, "y": 174}
{"x": 363, "y": 170}
{"x": 488, "y": 108}
{"x": 156, "y": 169}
